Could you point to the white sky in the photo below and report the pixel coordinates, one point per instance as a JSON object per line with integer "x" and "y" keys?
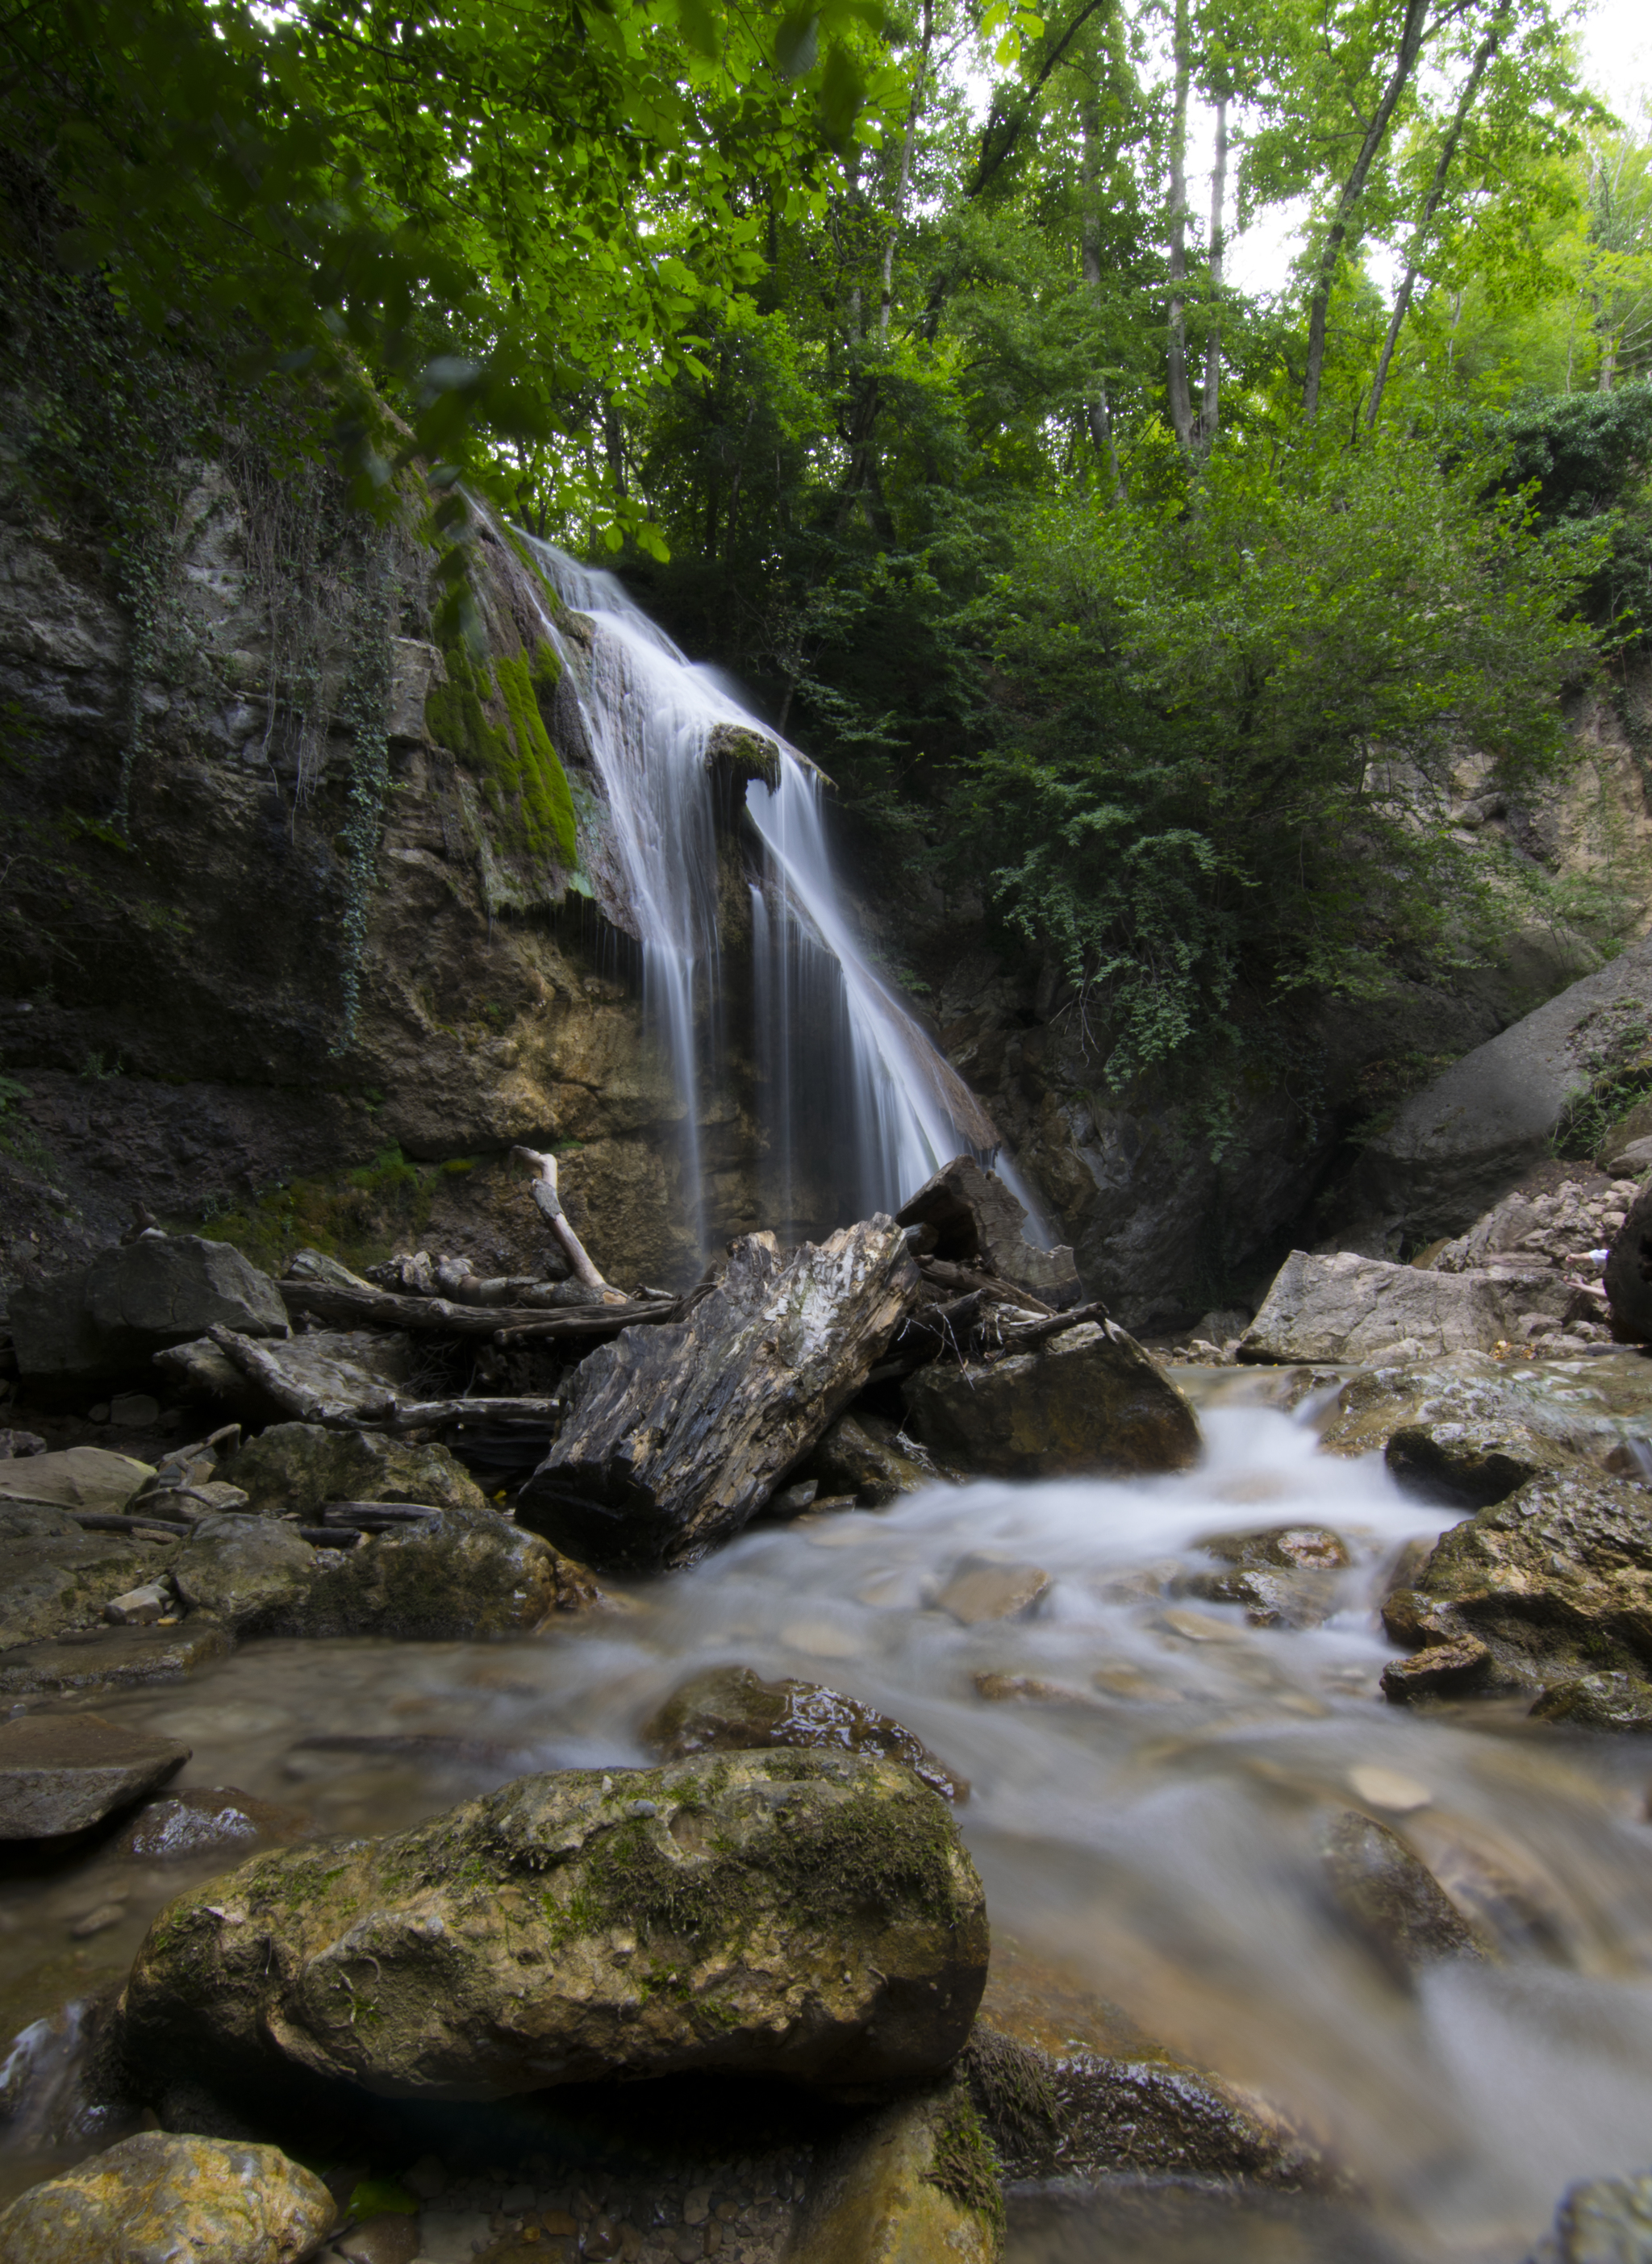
{"x": 1616, "y": 37}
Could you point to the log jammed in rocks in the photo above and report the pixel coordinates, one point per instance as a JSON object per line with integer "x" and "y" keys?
{"x": 355, "y": 1308}
{"x": 974, "y": 1221}
{"x": 674, "y": 1437}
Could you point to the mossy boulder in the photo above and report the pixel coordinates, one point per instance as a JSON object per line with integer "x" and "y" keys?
{"x": 246, "y": 1571}
{"x": 1557, "y": 1582}
{"x": 56, "y": 1576}
{"x": 1598, "y": 1702}
{"x": 810, "y": 1916}
{"x": 299, "y": 1467}
{"x": 1090, "y": 1403}
{"x": 914, "y": 2183}
{"x": 157, "y": 2198}
{"x": 731, "y": 1710}
{"x": 466, "y": 1572}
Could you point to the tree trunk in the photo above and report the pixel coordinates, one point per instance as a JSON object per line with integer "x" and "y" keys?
{"x": 1348, "y": 202}
{"x": 1181, "y": 400}
{"x": 1098, "y": 414}
{"x": 544, "y": 1168}
{"x": 1211, "y": 411}
{"x": 676, "y": 1437}
{"x": 1483, "y": 55}
{"x": 887, "y": 291}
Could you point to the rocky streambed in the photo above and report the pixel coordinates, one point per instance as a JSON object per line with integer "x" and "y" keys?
{"x": 1278, "y": 1967}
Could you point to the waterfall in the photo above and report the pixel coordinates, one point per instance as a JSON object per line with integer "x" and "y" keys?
{"x": 857, "y": 1107}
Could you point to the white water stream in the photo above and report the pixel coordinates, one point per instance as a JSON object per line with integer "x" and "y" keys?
{"x": 847, "y": 1075}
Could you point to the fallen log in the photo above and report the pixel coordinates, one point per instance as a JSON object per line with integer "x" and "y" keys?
{"x": 111, "y": 1521}
{"x": 545, "y": 1170}
{"x": 675, "y": 1436}
{"x": 607, "y": 1320}
{"x": 375, "y": 1516}
{"x": 949, "y": 1279}
{"x": 384, "y": 1309}
{"x": 427, "y": 1414}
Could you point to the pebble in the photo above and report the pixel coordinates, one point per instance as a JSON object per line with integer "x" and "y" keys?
{"x": 1387, "y": 1788}
{"x": 98, "y": 1922}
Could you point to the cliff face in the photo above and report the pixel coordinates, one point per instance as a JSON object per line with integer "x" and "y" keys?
{"x": 177, "y": 981}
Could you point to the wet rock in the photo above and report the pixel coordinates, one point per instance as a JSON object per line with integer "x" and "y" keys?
{"x": 1439, "y": 1670}
{"x": 203, "y": 1819}
{"x": 55, "y": 1576}
{"x": 730, "y": 1709}
{"x": 1391, "y": 1899}
{"x": 465, "y": 1573}
{"x": 61, "y": 1772}
{"x": 1066, "y": 2085}
{"x": 1470, "y": 1465}
{"x": 1029, "y": 1690}
{"x": 977, "y": 1222}
{"x": 1290, "y": 1548}
{"x": 379, "y": 2240}
{"x": 1346, "y": 1308}
{"x": 676, "y": 1435}
{"x": 869, "y": 1457}
{"x": 1602, "y": 2221}
{"x": 1556, "y": 1581}
{"x": 112, "y": 1658}
{"x": 1598, "y": 1702}
{"x": 1271, "y": 1598}
{"x": 157, "y": 2198}
{"x": 246, "y": 1571}
{"x": 1089, "y": 1402}
{"x": 981, "y": 1590}
{"x": 130, "y": 1303}
{"x": 800, "y": 1915}
{"x": 77, "y": 1478}
{"x": 299, "y": 1467}
{"x": 915, "y": 2183}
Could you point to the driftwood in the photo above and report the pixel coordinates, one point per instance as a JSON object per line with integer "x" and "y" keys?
{"x": 300, "y": 1400}
{"x": 384, "y": 1308}
{"x": 375, "y": 1516}
{"x": 429, "y": 1414}
{"x": 943, "y": 1277}
{"x": 675, "y": 1436}
{"x": 110, "y": 1520}
{"x": 545, "y": 1170}
{"x": 976, "y": 1222}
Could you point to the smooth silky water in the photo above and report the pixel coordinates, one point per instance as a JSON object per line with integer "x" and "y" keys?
{"x": 1153, "y": 1836}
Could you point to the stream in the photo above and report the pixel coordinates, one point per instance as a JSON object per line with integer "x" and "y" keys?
{"x": 1144, "y": 1824}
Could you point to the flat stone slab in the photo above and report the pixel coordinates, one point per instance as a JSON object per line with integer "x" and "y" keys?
{"x": 61, "y": 1772}
{"x": 111, "y": 1658}
{"x": 75, "y": 1477}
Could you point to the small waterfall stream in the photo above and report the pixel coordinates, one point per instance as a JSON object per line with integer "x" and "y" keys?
{"x": 848, "y": 1077}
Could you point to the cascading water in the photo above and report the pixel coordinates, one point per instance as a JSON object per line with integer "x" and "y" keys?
{"x": 857, "y": 1105}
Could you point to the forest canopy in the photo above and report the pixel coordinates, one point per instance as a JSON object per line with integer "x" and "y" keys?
{"x": 885, "y": 349}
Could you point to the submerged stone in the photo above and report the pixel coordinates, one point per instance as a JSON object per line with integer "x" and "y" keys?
{"x": 807, "y": 1915}
{"x": 1290, "y": 1548}
{"x": 981, "y": 1590}
{"x": 1089, "y": 1402}
{"x": 203, "y": 1818}
{"x": 1271, "y": 1598}
{"x": 159, "y": 2199}
{"x": 1392, "y": 1900}
{"x": 61, "y": 1772}
{"x": 730, "y": 1709}
{"x": 112, "y": 1658}
{"x": 1598, "y": 1702}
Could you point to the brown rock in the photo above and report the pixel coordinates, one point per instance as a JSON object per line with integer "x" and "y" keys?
{"x": 981, "y": 1590}
{"x": 1291, "y": 1547}
{"x": 1089, "y": 1402}
{"x": 1441, "y": 1669}
{"x": 61, "y": 1772}
{"x": 378, "y": 2240}
{"x": 1392, "y": 1900}
{"x": 730, "y": 1709}
{"x": 159, "y": 2197}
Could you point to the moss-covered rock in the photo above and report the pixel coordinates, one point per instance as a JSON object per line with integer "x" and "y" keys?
{"x": 1471, "y": 1465}
{"x": 806, "y": 1915}
{"x": 915, "y": 2183}
{"x": 297, "y": 1468}
{"x": 731, "y": 1710}
{"x": 245, "y": 1571}
{"x": 158, "y": 2197}
{"x": 55, "y": 1576}
{"x": 468, "y": 1572}
{"x": 1598, "y": 1702}
{"x": 1088, "y": 1403}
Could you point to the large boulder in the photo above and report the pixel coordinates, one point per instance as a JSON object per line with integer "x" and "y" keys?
{"x": 1467, "y": 1402}
{"x": 1339, "y": 1306}
{"x": 974, "y": 1220}
{"x": 55, "y": 1576}
{"x": 160, "y": 2199}
{"x": 1088, "y": 1403}
{"x": 810, "y": 1916}
{"x": 731, "y": 1710}
{"x": 130, "y": 1303}
{"x": 296, "y": 1469}
{"x": 1555, "y": 1583}
{"x": 675, "y": 1436}
{"x": 465, "y": 1573}
{"x": 245, "y": 1571}
{"x": 61, "y": 1772}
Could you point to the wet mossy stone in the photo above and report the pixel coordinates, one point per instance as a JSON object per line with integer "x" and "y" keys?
{"x": 158, "y": 2197}
{"x": 243, "y": 1571}
{"x": 1601, "y": 2221}
{"x": 916, "y": 2182}
{"x": 298, "y": 1467}
{"x": 1598, "y": 1702}
{"x": 732, "y": 1709}
{"x": 1393, "y": 1901}
{"x": 1470, "y": 1464}
{"x": 809, "y": 1916}
{"x": 466, "y": 1572}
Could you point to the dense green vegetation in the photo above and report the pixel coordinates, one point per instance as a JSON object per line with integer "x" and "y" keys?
{"x": 887, "y": 352}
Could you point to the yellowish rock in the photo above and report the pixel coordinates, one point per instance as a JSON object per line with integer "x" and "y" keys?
{"x": 160, "y": 2198}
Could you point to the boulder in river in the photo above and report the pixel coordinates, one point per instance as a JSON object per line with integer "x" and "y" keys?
{"x": 676, "y": 1435}
{"x": 75, "y": 1478}
{"x": 132, "y": 1302}
{"x": 1598, "y": 1702}
{"x": 806, "y": 1915}
{"x": 246, "y": 1571}
{"x": 55, "y": 1574}
{"x": 1557, "y": 1582}
{"x": 158, "y": 2197}
{"x": 1392, "y": 1900}
{"x": 1339, "y": 1306}
{"x": 1601, "y": 2220}
{"x": 61, "y": 1772}
{"x": 203, "y": 1819}
{"x": 298, "y": 1467}
{"x": 1471, "y": 1465}
{"x": 731, "y": 1710}
{"x": 916, "y": 2182}
{"x": 1089, "y": 1402}
{"x": 466, "y": 1572}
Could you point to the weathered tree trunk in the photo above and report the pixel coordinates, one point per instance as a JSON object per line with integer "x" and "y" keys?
{"x": 674, "y": 1437}
{"x": 545, "y": 1195}
{"x": 1098, "y": 411}
{"x": 382, "y": 1308}
{"x": 1176, "y": 352}
{"x": 1210, "y": 415}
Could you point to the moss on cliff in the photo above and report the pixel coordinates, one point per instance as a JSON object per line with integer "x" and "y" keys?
{"x": 521, "y": 777}
{"x": 357, "y": 1215}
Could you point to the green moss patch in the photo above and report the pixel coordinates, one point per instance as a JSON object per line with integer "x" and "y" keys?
{"x": 511, "y": 756}
{"x": 359, "y": 1216}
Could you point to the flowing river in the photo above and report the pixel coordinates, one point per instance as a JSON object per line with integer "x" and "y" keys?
{"x": 1144, "y": 1824}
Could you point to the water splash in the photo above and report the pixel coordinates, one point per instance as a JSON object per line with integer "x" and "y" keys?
{"x": 858, "y": 1108}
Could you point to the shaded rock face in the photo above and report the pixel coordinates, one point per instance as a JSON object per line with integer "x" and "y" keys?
{"x": 132, "y": 1302}
{"x": 1470, "y": 1465}
{"x": 867, "y": 1457}
{"x": 806, "y": 1915}
{"x": 1344, "y": 1307}
{"x": 1557, "y": 1582}
{"x": 156, "y": 2198}
{"x": 730, "y": 1709}
{"x": 675, "y": 1436}
{"x": 976, "y": 1222}
{"x": 1089, "y": 1402}
{"x": 914, "y": 2184}
{"x": 298, "y": 1467}
{"x": 1598, "y": 1702}
{"x": 61, "y": 1772}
